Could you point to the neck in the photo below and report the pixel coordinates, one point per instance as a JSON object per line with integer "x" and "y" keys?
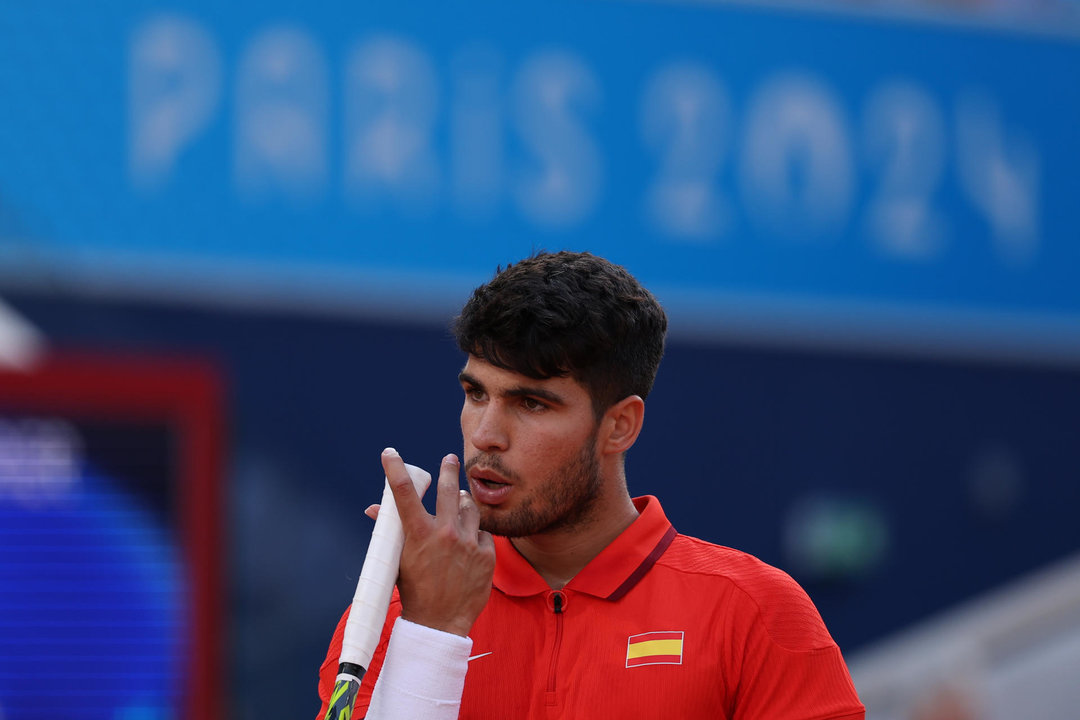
{"x": 559, "y": 555}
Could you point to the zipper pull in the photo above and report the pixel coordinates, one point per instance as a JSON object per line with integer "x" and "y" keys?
{"x": 556, "y": 601}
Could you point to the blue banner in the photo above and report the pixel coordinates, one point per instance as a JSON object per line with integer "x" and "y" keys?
{"x": 766, "y": 171}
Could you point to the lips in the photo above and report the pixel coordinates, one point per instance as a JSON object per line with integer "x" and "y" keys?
{"x": 488, "y": 487}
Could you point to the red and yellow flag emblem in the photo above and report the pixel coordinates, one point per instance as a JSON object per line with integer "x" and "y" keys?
{"x": 654, "y": 648}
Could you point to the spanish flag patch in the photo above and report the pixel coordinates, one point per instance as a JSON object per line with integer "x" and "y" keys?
{"x": 654, "y": 648}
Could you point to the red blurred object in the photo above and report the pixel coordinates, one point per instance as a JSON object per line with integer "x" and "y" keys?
{"x": 187, "y": 396}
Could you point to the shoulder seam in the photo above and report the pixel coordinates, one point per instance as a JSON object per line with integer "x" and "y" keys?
{"x": 750, "y": 597}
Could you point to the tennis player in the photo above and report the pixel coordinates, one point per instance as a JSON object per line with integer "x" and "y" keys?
{"x": 547, "y": 591}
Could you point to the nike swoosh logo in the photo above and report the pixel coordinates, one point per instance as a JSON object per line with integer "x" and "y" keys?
{"x": 474, "y": 657}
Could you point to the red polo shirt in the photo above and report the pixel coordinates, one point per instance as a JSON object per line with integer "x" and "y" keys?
{"x": 658, "y": 625}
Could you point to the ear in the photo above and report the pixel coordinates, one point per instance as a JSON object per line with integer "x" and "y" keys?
{"x": 621, "y": 424}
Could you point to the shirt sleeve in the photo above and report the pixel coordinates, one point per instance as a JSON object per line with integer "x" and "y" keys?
{"x": 329, "y": 669}
{"x": 796, "y": 685}
{"x": 789, "y": 667}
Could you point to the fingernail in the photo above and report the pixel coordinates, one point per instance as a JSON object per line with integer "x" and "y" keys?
{"x": 389, "y": 452}
{"x": 451, "y": 458}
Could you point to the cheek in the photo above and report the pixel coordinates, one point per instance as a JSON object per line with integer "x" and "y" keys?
{"x": 546, "y": 448}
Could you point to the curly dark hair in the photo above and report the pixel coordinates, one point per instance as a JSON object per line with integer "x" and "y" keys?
{"x": 568, "y": 314}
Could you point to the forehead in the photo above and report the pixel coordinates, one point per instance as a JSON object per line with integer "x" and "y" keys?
{"x": 496, "y": 379}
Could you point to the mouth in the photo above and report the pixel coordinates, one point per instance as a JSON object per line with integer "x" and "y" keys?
{"x": 488, "y": 486}
{"x": 487, "y": 478}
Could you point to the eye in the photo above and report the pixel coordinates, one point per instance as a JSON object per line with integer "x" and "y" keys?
{"x": 532, "y": 404}
{"x": 474, "y": 394}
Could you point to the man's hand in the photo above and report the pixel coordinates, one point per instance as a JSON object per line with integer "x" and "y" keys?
{"x": 447, "y": 562}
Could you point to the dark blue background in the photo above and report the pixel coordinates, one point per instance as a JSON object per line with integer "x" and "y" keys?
{"x": 737, "y": 438}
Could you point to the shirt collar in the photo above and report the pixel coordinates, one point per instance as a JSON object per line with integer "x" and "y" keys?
{"x": 610, "y": 574}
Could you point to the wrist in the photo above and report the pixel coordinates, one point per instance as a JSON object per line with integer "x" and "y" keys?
{"x": 423, "y": 674}
{"x": 453, "y": 626}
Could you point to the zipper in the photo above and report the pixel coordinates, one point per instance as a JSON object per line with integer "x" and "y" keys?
{"x": 558, "y": 603}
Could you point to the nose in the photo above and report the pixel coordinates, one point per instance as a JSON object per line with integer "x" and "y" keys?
{"x": 488, "y": 431}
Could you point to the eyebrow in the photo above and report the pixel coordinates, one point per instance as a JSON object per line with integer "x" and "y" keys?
{"x": 520, "y": 391}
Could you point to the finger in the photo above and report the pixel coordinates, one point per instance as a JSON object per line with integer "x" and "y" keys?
{"x": 446, "y": 502}
{"x": 408, "y": 503}
{"x": 469, "y": 514}
{"x": 372, "y": 511}
{"x": 486, "y": 542}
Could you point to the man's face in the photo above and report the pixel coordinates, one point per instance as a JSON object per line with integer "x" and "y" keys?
{"x": 530, "y": 454}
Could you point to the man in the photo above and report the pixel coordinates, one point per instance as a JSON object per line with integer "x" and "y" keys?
{"x": 586, "y": 603}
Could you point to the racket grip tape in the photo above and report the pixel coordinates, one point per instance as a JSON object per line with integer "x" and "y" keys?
{"x": 372, "y": 599}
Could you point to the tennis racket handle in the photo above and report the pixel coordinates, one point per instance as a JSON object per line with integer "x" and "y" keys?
{"x": 344, "y": 698}
{"x": 377, "y": 578}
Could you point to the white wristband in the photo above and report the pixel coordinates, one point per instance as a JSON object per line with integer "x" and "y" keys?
{"x": 422, "y": 676}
